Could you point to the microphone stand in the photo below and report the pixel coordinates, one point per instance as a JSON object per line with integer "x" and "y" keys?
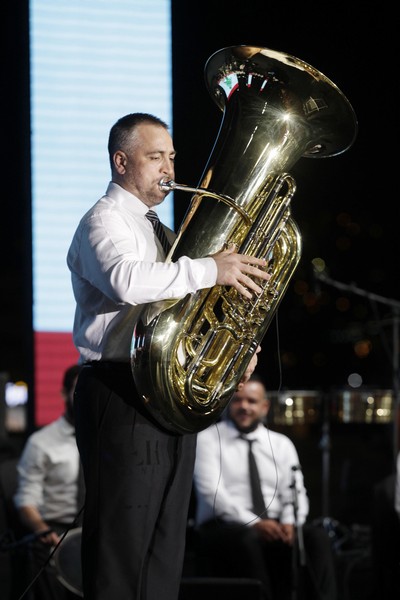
{"x": 395, "y": 322}
{"x": 298, "y": 547}
{"x": 325, "y": 447}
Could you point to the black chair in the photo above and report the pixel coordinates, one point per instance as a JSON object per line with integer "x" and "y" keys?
{"x": 220, "y": 588}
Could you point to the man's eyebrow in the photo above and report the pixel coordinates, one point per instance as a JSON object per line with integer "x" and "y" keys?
{"x": 174, "y": 153}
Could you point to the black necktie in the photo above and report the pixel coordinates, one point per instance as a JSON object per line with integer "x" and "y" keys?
{"x": 256, "y": 492}
{"x": 159, "y": 230}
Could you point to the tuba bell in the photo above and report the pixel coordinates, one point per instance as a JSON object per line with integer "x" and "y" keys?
{"x": 189, "y": 355}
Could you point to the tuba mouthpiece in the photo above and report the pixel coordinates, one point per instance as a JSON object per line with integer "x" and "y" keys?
{"x": 166, "y": 186}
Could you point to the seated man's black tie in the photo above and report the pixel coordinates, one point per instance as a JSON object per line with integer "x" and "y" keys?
{"x": 256, "y": 493}
{"x": 159, "y": 230}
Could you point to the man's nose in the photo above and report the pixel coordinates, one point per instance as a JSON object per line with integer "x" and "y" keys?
{"x": 244, "y": 404}
{"x": 168, "y": 167}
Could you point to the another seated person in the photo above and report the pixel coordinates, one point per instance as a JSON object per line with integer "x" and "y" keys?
{"x": 240, "y": 540}
{"x": 48, "y": 496}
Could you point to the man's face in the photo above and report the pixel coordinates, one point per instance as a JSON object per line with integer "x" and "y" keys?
{"x": 249, "y": 406}
{"x": 148, "y": 160}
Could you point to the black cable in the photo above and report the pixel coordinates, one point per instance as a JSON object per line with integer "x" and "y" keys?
{"x": 47, "y": 561}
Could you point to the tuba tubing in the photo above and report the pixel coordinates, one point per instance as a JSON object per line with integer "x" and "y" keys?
{"x": 188, "y": 360}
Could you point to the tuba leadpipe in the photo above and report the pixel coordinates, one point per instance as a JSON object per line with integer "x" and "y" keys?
{"x": 172, "y": 185}
{"x": 188, "y": 355}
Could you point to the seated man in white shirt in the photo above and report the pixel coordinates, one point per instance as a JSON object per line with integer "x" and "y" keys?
{"x": 49, "y": 495}
{"x": 239, "y": 541}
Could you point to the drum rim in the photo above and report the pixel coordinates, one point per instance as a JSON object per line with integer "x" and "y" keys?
{"x": 71, "y": 534}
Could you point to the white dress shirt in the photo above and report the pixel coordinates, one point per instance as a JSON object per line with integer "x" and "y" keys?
{"x": 48, "y": 472}
{"x": 221, "y": 475}
{"x": 117, "y": 265}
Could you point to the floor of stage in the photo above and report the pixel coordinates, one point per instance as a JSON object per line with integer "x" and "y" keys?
{"x": 355, "y": 579}
{"x": 354, "y": 567}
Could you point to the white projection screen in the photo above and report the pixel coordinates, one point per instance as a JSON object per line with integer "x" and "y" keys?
{"x": 92, "y": 61}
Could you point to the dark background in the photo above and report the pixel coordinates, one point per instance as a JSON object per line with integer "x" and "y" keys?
{"x": 341, "y": 204}
{"x": 346, "y": 206}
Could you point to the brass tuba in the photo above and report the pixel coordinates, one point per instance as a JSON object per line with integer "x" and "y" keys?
{"x": 189, "y": 358}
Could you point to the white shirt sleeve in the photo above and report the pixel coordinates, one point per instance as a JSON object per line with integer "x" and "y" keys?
{"x": 121, "y": 262}
{"x": 31, "y": 475}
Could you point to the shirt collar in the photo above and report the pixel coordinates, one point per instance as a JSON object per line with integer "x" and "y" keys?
{"x": 66, "y": 426}
{"x": 126, "y": 199}
{"x": 253, "y": 435}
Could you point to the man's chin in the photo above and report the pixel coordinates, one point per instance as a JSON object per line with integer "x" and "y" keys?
{"x": 245, "y": 426}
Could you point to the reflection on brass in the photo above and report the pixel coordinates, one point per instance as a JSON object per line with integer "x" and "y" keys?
{"x": 190, "y": 358}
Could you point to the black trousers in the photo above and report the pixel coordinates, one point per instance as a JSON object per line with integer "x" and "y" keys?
{"x": 230, "y": 550}
{"x": 138, "y": 481}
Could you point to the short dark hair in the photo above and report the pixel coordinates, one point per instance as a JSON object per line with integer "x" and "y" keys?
{"x": 256, "y": 377}
{"x": 120, "y": 131}
{"x": 70, "y": 375}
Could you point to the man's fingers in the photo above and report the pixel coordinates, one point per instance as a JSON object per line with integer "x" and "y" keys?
{"x": 241, "y": 271}
{"x": 252, "y": 260}
{"x": 253, "y": 269}
{"x": 243, "y": 290}
{"x": 250, "y": 284}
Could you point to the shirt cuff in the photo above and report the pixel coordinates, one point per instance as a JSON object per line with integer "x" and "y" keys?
{"x": 204, "y": 272}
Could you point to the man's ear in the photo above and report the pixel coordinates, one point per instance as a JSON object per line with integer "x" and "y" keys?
{"x": 119, "y": 160}
{"x": 267, "y": 405}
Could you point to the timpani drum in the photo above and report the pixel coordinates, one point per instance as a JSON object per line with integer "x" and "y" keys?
{"x": 67, "y": 561}
{"x": 363, "y": 406}
{"x": 295, "y": 407}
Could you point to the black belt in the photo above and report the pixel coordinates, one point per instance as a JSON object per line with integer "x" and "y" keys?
{"x": 107, "y": 364}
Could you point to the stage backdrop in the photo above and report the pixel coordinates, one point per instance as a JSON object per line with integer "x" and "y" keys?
{"x": 91, "y": 62}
